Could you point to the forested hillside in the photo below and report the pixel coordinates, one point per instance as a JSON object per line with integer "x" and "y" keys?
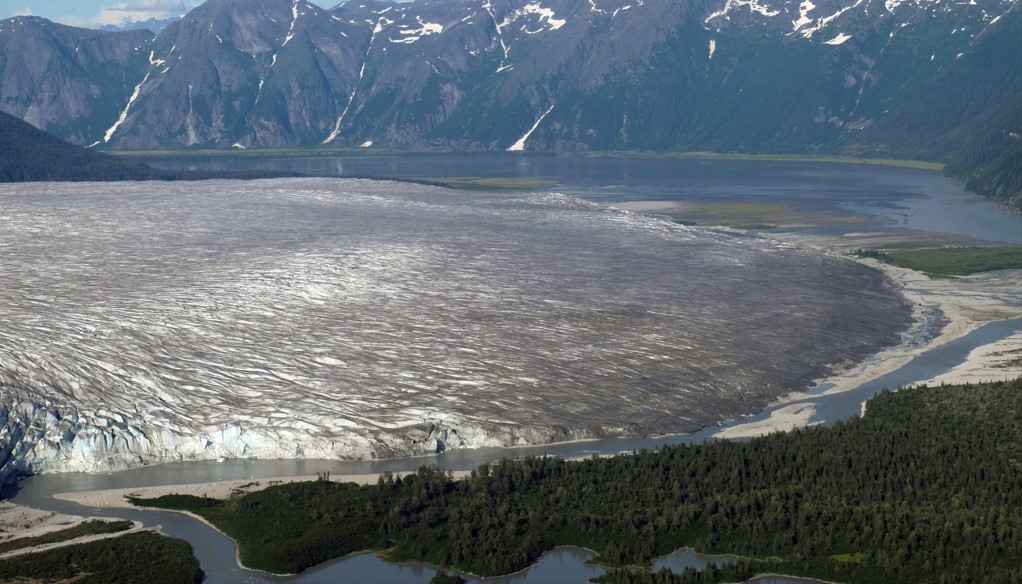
{"x": 28, "y": 154}
{"x": 927, "y": 487}
{"x": 31, "y": 155}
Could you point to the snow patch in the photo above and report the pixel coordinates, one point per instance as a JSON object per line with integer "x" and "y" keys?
{"x": 713, "y": 47}
{"x": 294, "y": 20}
{"x": 753, "y": 6}
{"x": 840, "y": 38}
{"x": 500, "y": 34}
{"x": 134, "y": 96}
{"x": 361, "y": 73}
{"x": 803, "y": 14}
{"x": 366, "y": 144}
{"x": 545, "y": 14}
{"x": 824, "y": 22}
{"x": 425, "y": 28}
{"x": 520, "y": 144}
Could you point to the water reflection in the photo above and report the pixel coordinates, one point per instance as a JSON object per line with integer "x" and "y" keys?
{"x": 682, "y": 559}
{"x": 891, "y": 198}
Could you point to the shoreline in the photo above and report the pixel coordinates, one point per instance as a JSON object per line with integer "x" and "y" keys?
{"x": 117, "y": 498}
{"x": 958, "y": 302}
{"x": 222, "y": 489}
{"x": 21, "y": 522}
{"x": 959, "y": 305}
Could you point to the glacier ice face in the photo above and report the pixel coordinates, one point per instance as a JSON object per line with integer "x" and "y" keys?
{"x": 324, "y": 318}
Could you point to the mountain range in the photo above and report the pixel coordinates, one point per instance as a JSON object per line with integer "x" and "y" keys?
{"x": 923, "y": 79}
{"x": 151, "y": 24}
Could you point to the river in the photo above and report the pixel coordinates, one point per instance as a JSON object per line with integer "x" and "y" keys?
{"x": 216, "y": 552}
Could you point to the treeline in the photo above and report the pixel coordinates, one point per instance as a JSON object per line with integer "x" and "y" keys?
{"x": 143, "y": 557}
{"x": 994, "y": 171}
{"x": 927, "y": 487}
{"x": 31, "y": 155}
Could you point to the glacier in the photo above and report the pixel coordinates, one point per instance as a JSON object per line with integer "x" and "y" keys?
{"x": 348, "y": 319}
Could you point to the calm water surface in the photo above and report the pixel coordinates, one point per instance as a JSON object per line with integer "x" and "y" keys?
{"x": 888, "y": 198}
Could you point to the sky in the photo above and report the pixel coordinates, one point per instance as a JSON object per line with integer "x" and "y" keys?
{"x": 95, "y": 13}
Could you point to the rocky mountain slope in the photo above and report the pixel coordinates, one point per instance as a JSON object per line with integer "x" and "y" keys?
{"x": 912, "y": 78}
{"x": 28, "y": 154}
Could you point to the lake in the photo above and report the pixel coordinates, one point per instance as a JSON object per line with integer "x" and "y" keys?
{"x": 884, "y": 198}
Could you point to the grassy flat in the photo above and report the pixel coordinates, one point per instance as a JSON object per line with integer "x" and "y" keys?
{"x": 901, "y": 163}
{"x": 955, "y": 261}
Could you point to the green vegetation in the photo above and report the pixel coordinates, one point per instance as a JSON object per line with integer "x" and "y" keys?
{"x": 950, "y": 261}
{"x": 1012, "y": 359}
{"x": 927, "y": 487}
{"x": 143, "y": 557}
{"x": 443, "y": 577}
{"x": 332, "y": 152}
{"x": 80, "y": 530}
{"x": 920, "y": 164}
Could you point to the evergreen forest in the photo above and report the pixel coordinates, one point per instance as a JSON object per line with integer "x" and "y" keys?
{"x": 925, "y": 488}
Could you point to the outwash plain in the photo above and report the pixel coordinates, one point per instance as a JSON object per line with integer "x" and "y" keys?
{"x": 324, "y": 318}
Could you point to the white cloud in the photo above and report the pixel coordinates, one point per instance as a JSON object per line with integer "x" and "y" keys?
{"x": 26, "y": 11}
{"x": 124, "y": 12}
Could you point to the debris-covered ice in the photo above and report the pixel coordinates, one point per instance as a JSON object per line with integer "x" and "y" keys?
{"x": 325, "y": 318}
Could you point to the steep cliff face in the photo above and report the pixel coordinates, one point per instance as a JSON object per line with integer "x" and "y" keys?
{"x": 68, "y": 81}
{"x": 242, "y": 73}
{"x": 907, "y": 78}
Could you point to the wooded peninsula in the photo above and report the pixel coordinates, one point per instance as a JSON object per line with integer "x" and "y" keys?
{"x": 926, "y": 487}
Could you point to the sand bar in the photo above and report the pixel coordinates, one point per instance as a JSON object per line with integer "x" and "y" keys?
{"x": 996, "y": 361}
{"x": 781, "y": 420}
{"x": 961, "y": 304}
{"x": 117, "y": 498}
{"x": 19, "y": 521}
